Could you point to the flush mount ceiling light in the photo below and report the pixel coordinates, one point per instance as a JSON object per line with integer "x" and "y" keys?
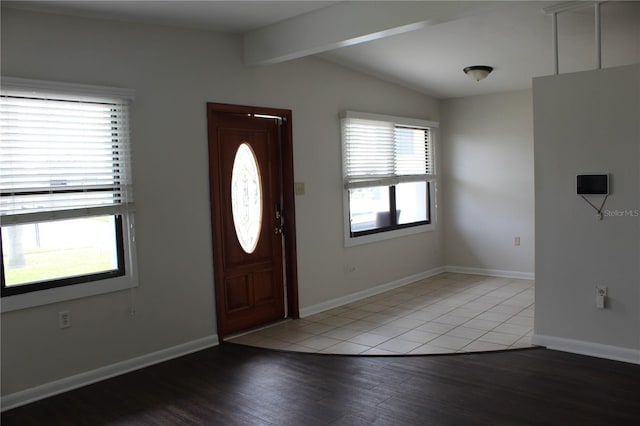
{"x": 478, "y": 72}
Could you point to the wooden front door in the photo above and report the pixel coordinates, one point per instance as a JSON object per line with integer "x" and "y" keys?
{"x": 248, "y": 214}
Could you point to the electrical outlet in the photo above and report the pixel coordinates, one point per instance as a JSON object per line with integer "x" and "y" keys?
{"x": 64, "y": 319}
{"x": 516, "y": 241}
{"x": 601, "y": 296}
{"x": 348, "y": 269}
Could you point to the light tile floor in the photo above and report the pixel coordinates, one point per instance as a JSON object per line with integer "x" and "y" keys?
{"x": 443, "y": 314}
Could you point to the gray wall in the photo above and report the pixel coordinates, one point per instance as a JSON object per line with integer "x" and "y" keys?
{"x": 487, "y": 151}
{"x": 175, "y": 72}
{"x": 588, "y": 122}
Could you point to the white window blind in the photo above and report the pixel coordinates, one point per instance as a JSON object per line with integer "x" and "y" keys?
{"x": 64, "y": 151}
{"x": 369, "y": 149}
{"x": 383, "y": 150}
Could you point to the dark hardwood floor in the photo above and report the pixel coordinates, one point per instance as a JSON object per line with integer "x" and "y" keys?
{"x": 239, "y": 385}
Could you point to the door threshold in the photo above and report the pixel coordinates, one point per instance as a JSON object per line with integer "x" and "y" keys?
{"x": 258, "y": 328}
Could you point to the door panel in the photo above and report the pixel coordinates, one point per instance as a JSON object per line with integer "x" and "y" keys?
{"x": 249, "y": 275}
{"x": 263, "y": 288}
{"x": 237, "y": 293}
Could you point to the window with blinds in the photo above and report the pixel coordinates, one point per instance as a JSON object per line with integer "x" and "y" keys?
{"x": 65, "y": 183}
{"x": 387, "y": 172}
{"x": 62, "y": 156}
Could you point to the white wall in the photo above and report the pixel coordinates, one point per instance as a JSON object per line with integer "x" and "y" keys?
{"x": 588, "y": 122}
{"x": 487, "y": 152}
{"x": 175, "y": 72}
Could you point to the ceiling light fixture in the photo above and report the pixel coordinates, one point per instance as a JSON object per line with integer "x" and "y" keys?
{"x": 478, "y": 72}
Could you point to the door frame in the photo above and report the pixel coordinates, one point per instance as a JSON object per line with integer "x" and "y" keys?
{"x": 288, "y": 203}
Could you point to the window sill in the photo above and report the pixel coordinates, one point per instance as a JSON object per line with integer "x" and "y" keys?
{"x": 62, "y": 294}
{"x": 372, "y": 238}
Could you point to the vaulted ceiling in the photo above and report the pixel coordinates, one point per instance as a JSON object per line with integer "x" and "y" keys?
{"x": 423, "y": 45}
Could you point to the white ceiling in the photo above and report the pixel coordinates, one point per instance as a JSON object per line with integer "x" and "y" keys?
{"x": 515, "y": 39}
{"x": 236, "y": 16}
{"x": 427, "y": 55}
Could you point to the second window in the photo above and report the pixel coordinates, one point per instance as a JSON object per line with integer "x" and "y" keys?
{"x": 388, "y": 172}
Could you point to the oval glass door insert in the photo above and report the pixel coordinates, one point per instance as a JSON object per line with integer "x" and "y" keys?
{"x": 246, "y": 198}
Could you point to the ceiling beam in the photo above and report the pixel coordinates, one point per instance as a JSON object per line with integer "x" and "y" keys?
{"x": 348, "y": 23}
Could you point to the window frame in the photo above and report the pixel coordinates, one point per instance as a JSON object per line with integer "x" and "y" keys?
{"x": 393, "y": 211}
{"x": 68, "y": 288}
{"x": 398, "y": 230}
{"x": 69, "y": 280}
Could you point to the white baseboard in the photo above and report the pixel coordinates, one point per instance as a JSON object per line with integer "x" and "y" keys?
{"x": 354, "y": 297}
{"x": 491, "y": 272}
{"x": 581, "y": 347}
{"x": 88, "y": 377}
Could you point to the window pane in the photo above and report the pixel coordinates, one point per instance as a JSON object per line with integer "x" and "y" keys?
{"x": 369, "y": 208}
{"x": 246, "y": 198}
{"x": 61, "y": 249}
{"x": 411, "y": 202}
